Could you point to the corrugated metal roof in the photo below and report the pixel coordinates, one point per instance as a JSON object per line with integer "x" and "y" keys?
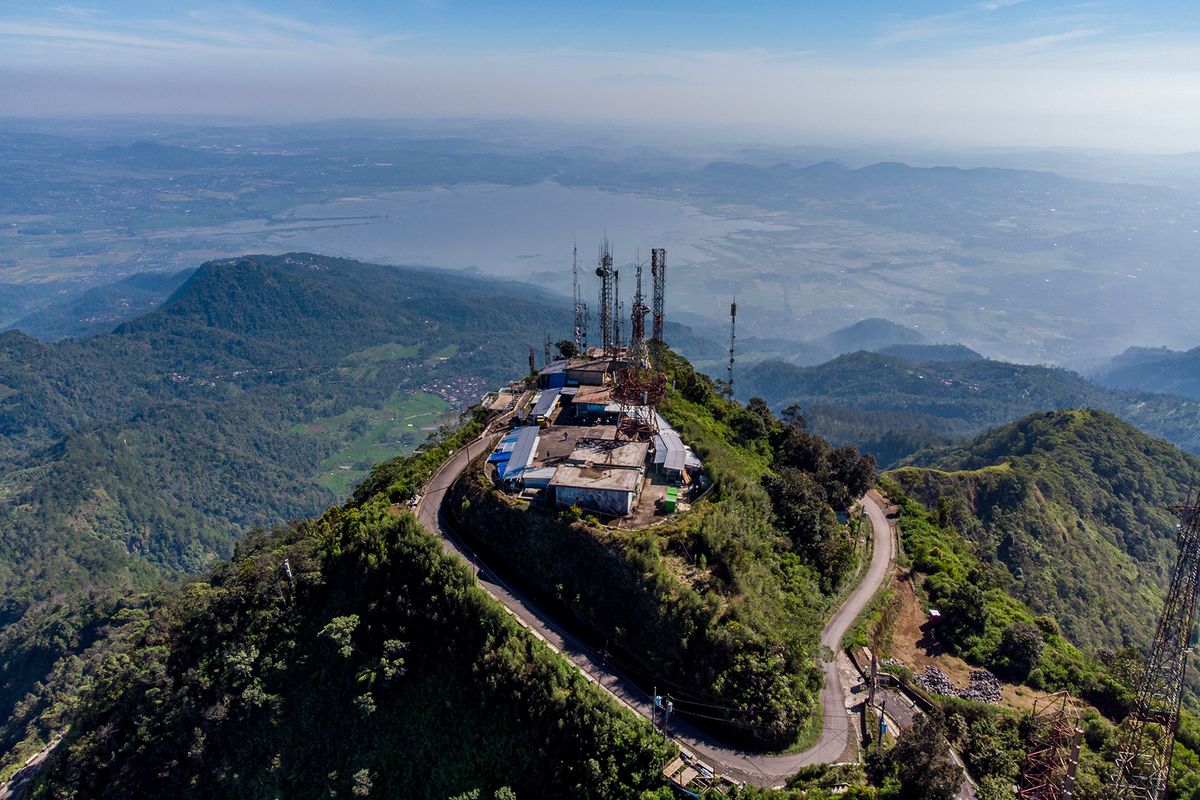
{"x": 546, "y": 402}
{"x": 669, "y": 449}
{"x": 540, "y": 476}
{"x": 522, "y": 454}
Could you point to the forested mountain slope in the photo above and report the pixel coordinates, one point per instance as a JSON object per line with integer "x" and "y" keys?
{"x": 343, "y": 656}
{"x": 347, "y": 655}
{"x": 102, "y": 308}
{"x": 893, "y": 407}
{"x": 1154, "y": 370}
{"x": 1074, "y": 506}
{"x": 149, "y": 451}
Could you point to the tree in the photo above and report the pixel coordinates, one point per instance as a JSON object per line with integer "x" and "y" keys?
{"x": 800, "y": 449}
{"x": 566, "y": 348}
{"x": 921, "y": 760}
{"x": 964, "y": 612}
{"x": 1021, "y": 646}
{"x": 848, "y": 475}
{"x": 801, "y": 512}
{"x": 793, "y": 418}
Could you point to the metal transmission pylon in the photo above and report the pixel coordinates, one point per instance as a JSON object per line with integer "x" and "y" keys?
{"x": 605, "y": 273}
{"x": 1144, "y": 763}
{"x": 1052, "y": 750}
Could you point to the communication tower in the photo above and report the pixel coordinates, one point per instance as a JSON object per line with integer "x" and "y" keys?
{"x": 1052, "y": 750}
{"x": 580, "y": 327}
{"x": 658, "y": 276}
{"x": 605, "y": 272}
{"x": 732, "y": 341}
{"x": 618, "y": 317}
{"x": 1144, "y": 761}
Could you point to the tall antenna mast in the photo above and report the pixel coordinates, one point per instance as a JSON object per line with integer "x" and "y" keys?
{"x": 618, "y": 317}
{"x": 580, "y": 328}
{"x": 587, "y": 324}
{"x": 1144, "y": 762}
{"x": 605, "y": 272}
{"x": 658, "y": 275}
{"x": 732, "y": 341}
{"x": 637, "y": 322}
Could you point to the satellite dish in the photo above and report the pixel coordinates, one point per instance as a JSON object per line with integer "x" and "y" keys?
{"x": 600, "y": 272}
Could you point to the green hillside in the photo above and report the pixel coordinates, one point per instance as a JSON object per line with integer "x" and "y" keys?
{"x": 893, "y": 407}
{"x": 1073, "y": 506}
{"x": 1154, "y": 370}
{"x": 379, "y": 664}
{"x": 343, "y": 656}
{"x": 259, "y": 386}
{"x": 723, "y": 605}
{"x": 984, "y": 622}
{"x": 102, "y": 308}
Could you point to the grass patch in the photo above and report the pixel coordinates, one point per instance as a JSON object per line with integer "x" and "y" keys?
{"x": 370, "y": 435}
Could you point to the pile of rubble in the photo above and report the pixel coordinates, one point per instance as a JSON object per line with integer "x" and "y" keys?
{"x": 983, "y": 686}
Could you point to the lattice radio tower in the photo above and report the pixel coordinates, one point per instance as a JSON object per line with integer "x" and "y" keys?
{"x": 605, "y": 272}
{"x": 1144, "y": 762}
{"x": 637, "y": 322}
{"x": 1052, "y": 750}
{"x": 732, "y": 341}
{"x": 618, "y": 311}
{"x": 580, "y": 309}
{"x": 658, "y": 276}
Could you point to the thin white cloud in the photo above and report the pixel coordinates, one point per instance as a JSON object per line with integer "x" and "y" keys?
{"x": 1069, "y": 84}
{"x": 996, "y": 5}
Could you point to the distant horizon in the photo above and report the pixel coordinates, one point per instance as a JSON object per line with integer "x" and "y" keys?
{"x": 974, "y": 73}
{"x": 635, "y": 134}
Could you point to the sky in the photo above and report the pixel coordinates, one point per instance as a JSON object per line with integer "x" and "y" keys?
{"x": 1121, "y": 74}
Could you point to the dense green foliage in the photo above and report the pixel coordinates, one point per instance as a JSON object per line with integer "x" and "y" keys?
{"x": 979, "y": 612}
{"x": 894, "y": 407}
{"x": 919, "y": 766}
{"x": 1072, "y": 509}
{"x": 982, "y": 622}
{"x": 722, "y": 606}
{"x": 149, "y": 451}
{"x": 342, "y": 655}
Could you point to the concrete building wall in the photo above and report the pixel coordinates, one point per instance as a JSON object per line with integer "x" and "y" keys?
{"x": 606, "y": 501}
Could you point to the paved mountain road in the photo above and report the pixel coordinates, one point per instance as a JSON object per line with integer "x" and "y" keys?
{"x": 756, "y": 768}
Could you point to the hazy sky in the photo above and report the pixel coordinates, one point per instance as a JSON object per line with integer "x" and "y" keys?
{"x": 1122, "y": 74}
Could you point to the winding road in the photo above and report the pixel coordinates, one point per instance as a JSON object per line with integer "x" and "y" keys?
{"x": 757, "y": 768}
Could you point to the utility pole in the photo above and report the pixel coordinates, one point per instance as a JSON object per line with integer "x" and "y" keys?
{"x": 874, "y": 677}
{"x": 882, "y": 724}
{"x": 732, "y": 341}
{"x": 1144, "y": 760}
